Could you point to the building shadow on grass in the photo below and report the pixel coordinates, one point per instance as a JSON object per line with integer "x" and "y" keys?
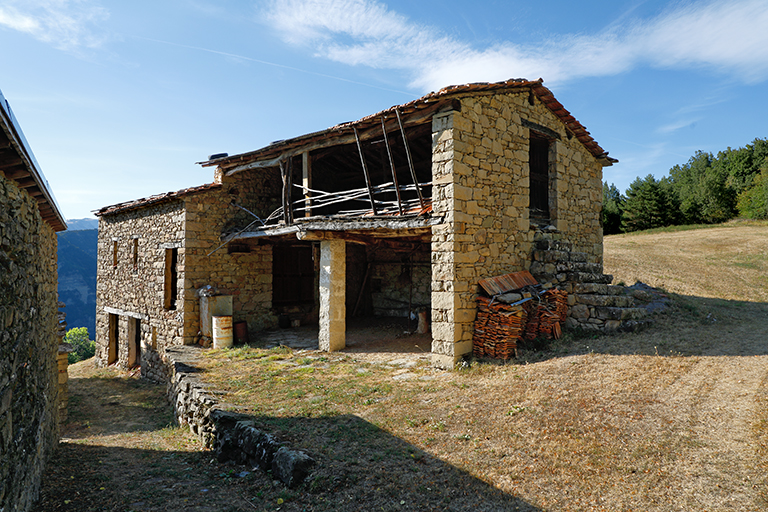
{"x": 359, "y": 467}
{"x": 104, "y": 463}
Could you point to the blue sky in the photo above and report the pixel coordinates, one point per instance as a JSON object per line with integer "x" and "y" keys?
{"x": 120, "y": 99}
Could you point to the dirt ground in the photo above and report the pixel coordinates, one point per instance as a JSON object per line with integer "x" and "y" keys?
{"x": 674, "y": 417}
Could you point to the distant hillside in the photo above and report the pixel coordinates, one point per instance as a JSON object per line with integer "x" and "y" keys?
{"x": 82, "y": 224}
{"x": 77, "y": 277}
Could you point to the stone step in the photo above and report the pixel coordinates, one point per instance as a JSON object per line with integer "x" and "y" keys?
{"x": 553, "y": 245}
{"x": 583, "y": 267}
{"x": 600, "y": 289}
{"x": 551, "y": 256}
{"x": 557, "y": 256}
{"x": 614, "y": 301}
{"x": 612, "y": 313}
{"x": 584, "y": 277}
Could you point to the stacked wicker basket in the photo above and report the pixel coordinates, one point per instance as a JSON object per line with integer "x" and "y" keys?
{"x": 500, "y": 325}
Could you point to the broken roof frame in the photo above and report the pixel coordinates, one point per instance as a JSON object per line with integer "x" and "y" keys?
{"x": 375, "y": 127}
{"x": 410, "y": 215}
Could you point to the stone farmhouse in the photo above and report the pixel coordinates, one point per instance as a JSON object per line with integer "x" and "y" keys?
{"x": 397, "y": 213}
{"x": 29, "y": 327}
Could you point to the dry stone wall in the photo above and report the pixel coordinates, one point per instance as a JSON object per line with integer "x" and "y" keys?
{"x": 480, "y": 179}
{"x": 232, "y": 436}
{"x": 28, "y": 347}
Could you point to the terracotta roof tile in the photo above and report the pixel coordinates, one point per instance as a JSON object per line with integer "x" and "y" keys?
{"x": 156, "y": 199}
{"x": 536, "y": 86}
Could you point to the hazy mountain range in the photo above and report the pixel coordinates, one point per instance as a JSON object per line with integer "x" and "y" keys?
{"x": 77, "y": 273}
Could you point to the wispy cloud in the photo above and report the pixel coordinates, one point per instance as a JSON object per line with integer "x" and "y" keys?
{"x": 66, "y": 24}
{"x": 726, "y": 36}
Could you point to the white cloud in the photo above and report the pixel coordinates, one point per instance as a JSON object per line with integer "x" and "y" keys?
{"x": 728, "y": 36}
{"x": 65, "y": 24}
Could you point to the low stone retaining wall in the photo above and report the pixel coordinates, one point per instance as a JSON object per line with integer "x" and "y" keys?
{"x": 230, "y": 435}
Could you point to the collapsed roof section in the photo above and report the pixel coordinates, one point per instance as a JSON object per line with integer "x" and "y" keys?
{"x": 417, "y": 111}
{"x": 378, "y": 167}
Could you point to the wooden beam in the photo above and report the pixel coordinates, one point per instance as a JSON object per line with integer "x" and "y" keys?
{"x": 392, "y": 166}
{"x": 326, "y": 140}
{"x": 363, "y": 239}
{"x": 285, "y": 199}
{"x": 16, "y": 172}
{"x": 315, "y": 236}
{"x": 410, "y": 160}
{"x": 365, "y": 171}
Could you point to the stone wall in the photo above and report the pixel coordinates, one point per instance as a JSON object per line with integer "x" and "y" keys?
{"x": 28, "y": 346}
{"x": 480, "y": 184}
{"x": 247, "y": 275}
{"x": 400, "y": 278}
{"x": 233, "y": 436}
{"x": 136, "y": 292}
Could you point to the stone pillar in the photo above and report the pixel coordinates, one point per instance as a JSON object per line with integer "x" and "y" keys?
{"x": 446, "y": 333}
{"x": 333, "y": 309}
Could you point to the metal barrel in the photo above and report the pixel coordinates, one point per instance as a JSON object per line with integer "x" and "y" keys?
{"x": 222, "y": 331}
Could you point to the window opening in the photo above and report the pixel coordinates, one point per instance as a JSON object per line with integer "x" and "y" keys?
{"x": 538, "y": 163}
{"x": 171, "y": 278}
{"x": 135, "y": 254}
{"x": 114, "y": 253}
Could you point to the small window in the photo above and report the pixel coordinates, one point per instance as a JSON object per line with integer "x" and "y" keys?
{"x": 171, "y": 278}
{"x": 135, "y": 254}
{"x": 538, "y": 163}
{"x": 114, "y": 253}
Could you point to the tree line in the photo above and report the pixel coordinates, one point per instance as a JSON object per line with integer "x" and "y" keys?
{"x": 707, "y": 189}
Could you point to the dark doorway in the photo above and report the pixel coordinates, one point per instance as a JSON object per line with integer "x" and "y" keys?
{"x": 114, "y": 339}
{"x": 134, "y": 342}
{"x": 293, "y": 276}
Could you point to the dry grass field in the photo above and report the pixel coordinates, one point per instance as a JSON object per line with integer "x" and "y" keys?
{"x": 674, "y": 417}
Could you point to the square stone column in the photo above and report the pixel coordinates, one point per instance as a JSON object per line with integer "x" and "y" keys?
{"x": 333, "y": 309}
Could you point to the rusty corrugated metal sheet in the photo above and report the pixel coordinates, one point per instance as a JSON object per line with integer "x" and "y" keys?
{"x": 508, "y": 282}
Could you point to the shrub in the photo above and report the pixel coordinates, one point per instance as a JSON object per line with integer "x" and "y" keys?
{"x": 84, "y": 348}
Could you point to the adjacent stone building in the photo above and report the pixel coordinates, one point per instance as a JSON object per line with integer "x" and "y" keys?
{"x": 29, "y": 338}
{"x": 399, "y": 212}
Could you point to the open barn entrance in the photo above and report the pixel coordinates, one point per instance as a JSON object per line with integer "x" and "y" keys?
{"x": 386, "y": 285}
{"x": 351, "y": 239}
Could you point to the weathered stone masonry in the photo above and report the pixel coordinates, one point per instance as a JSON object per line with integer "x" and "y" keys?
{"x": 473, "y": 148}
{"x": 481, "y": 187}
{"x": 29, "y": 334}
{"x": 135, "y": 240}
